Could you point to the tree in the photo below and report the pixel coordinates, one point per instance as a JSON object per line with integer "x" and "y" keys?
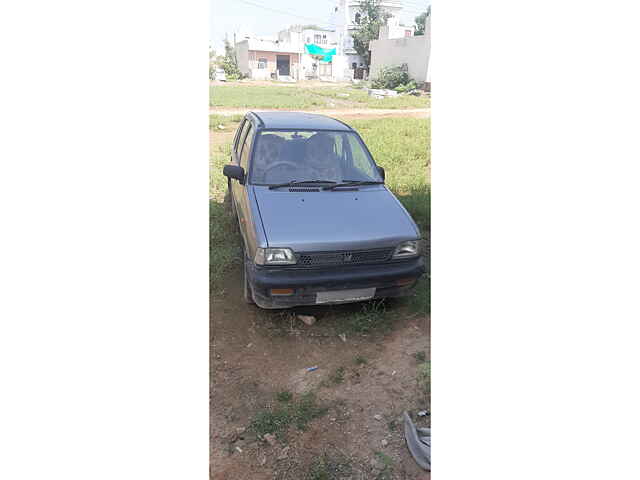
{"x": 372, "y": 17}
{"x": 421, "y": 20}
{"x": 230, "y": 63}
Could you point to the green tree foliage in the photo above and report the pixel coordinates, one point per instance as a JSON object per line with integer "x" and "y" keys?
{"x": 421, "y": 20}
{"x": 372, "y": 17}
{"x": 229, "y": 63}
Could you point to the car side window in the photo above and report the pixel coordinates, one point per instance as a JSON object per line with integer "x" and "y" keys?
{"x": 237, "y": 136}
{"x": 359, "y": 158}
{"x": 241, "y": 136}
{"x": 246, "y": 146}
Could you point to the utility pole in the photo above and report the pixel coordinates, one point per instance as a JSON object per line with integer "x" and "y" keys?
{"x": 301, "y": 46}
{"x": 235, "y": 54}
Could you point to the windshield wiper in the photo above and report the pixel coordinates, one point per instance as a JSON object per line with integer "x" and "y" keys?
{"x": 301, "y": 182}
{"x": 352, "y": 183}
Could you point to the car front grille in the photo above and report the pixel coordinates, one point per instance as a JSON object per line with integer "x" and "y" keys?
{"x": 321, "y": 259}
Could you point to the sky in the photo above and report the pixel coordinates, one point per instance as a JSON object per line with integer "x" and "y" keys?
{"x": 268, "y": 17}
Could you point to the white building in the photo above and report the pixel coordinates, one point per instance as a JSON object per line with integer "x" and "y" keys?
{"x": 413, "y": 53}
{"x": 310, "y": 67}
{"x": 345, "y": 16}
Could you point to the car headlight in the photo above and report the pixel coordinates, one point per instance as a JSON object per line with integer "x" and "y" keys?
{"x": 275, "y": 256}
{"x": 407, "y": 249}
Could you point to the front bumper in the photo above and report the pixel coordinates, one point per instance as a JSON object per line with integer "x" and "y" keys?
{"x": 308, "y": 282}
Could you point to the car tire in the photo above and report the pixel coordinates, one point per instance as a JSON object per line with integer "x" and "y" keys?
{"x": 248, "y": 294}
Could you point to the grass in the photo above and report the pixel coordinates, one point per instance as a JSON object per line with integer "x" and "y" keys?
{"x": 330, "y": 468}
{"x": 294, "y": 97}
{"x": 334, "y": 378}
{"x": 337, "y": 376}
{"x": 277, "y": 420}
{"x": 424, "y": 378}
{"x": 420, "y": 356}
{"x": 224, "y": 244}
{"x": 284, "y": 396}
{"x": 229, "y": 122}
{"x": 420, "y": 302}
{"x": 387, "y": 471}
{"x": 372, "y": 317}
{"x": 360, "y": 360}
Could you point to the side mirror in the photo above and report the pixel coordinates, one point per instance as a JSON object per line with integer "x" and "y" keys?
{"x": 234, "y": 171}
{"x": 381, "y": 172}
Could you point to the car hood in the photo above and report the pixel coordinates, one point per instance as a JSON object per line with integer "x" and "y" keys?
{"x": 333, "y": 220}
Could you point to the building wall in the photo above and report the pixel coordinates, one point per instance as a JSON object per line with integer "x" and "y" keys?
{"x": 297, "y": 38}
{"x": 265, "y": 73}
{"x": 242, "y": 53}
{"x": 395, "y": 31}
{"x": 414, "y": 51}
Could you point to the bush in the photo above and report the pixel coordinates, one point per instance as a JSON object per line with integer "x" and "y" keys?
{"x": 231, "y": 69}
{"x": 390, "y": 78}
{"x": 406, "y": 87}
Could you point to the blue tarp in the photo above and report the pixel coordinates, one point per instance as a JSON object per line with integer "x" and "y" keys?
{"x": 326, "y": 53}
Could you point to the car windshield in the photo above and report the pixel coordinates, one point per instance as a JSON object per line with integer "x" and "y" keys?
{"x": 287, "y": 156}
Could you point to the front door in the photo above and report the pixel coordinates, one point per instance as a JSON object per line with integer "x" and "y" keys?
{"x": 282, "y": 64}
{"x": 325, "y": 69}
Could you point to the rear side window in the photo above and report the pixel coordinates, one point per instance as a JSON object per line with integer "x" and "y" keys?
{"x": 246, "y": 146}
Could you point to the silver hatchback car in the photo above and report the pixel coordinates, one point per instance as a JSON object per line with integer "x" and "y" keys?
{"x": 318, "y": 225}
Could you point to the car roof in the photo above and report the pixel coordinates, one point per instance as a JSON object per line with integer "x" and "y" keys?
{"x": 298, "y": 120}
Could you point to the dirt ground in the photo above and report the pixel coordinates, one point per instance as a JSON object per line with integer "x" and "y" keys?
{"x": 342, "y": 112}
{"x": 256, "y": 354}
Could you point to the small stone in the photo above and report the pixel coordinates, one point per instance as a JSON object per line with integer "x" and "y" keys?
{"x": 239, "y": 449}
{"x": 270, "y": 438}
{"x": 422, "y": 413}
{"x": 378, "y": 417}
{"x": 263, "y": 460}
{"x": 384, "y": 442}
{"x": 307, "y": 319}
{"x": 343, "y": 337}
{"x": 284, "y": 453}
{"x": 332, "y": 419}
{"x": 240, "y": 430}
{"x": 221, "y": 127}
{"x": 250, "y": 345}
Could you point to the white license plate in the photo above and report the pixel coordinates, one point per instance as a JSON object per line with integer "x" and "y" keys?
{"x": 346, "y": 295}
